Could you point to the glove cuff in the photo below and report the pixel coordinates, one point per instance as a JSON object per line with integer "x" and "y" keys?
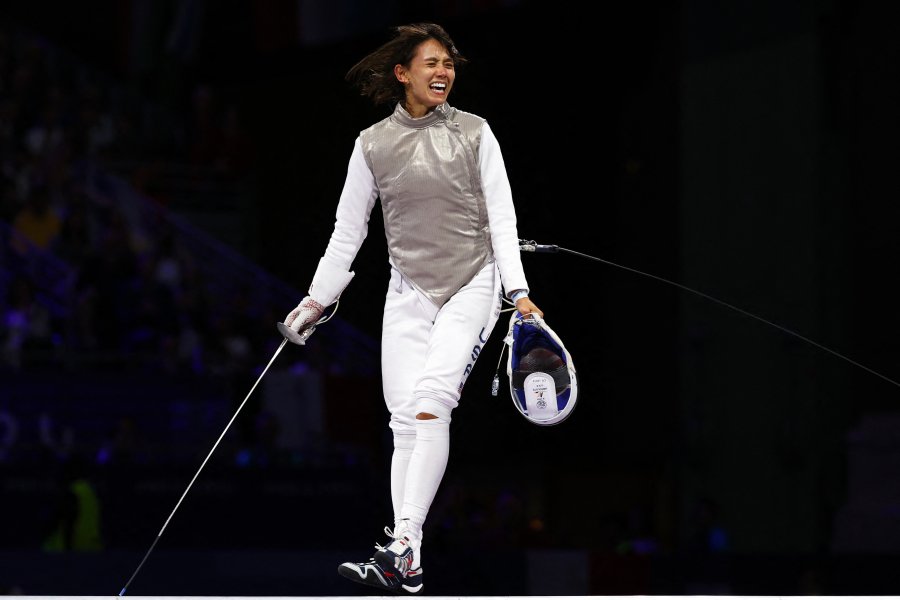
{"x": 328, "y": 282}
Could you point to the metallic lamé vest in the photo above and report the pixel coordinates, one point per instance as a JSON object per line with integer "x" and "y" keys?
{"x": 429, "y": 184}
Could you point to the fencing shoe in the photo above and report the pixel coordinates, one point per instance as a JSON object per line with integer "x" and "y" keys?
{"x": 369, "y": 573}
{"x": 401, "y": 558}
{"x": 391, "y": 579}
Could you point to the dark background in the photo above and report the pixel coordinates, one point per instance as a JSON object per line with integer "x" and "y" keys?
{"x": 725, "y": 172}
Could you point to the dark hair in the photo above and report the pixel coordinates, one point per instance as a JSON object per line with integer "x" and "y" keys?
{"x": 374, "y": 74}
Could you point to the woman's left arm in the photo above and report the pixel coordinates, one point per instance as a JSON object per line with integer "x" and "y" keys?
{"x": 501, "y": 212}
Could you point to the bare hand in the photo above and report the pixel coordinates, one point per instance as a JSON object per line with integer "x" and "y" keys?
{"x": 526, "y": 307}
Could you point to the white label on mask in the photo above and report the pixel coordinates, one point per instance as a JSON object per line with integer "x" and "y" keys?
{"x": 540, "y": 396}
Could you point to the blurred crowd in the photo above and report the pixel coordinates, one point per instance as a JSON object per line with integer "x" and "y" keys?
{"x": 99, "y": 278}
{"x": 80, "y": 275}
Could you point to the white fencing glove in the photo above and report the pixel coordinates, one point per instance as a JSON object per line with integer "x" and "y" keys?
{"x": 305, "y": 315}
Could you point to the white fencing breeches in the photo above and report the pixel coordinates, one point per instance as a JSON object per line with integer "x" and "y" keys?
{"x": 427, "y": 355}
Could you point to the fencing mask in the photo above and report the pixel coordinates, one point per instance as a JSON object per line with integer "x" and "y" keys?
{"x": 541, "y": 373}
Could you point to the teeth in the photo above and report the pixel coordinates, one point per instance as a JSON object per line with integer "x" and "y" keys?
{"x": 438, "y": 86}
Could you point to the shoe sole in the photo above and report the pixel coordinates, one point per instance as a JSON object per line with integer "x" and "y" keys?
{"x": 374, "y": 581}
{"x": 386, "y": 562}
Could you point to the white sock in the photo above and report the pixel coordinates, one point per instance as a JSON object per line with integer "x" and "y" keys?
{"x": 425, "y": 471}
{"x": 403, "y": 449}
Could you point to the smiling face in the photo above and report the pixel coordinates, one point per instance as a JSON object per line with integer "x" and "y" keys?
{"x": 427, "y": 79}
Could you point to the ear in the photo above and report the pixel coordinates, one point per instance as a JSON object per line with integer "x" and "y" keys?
{"x": 400, "y": 74}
